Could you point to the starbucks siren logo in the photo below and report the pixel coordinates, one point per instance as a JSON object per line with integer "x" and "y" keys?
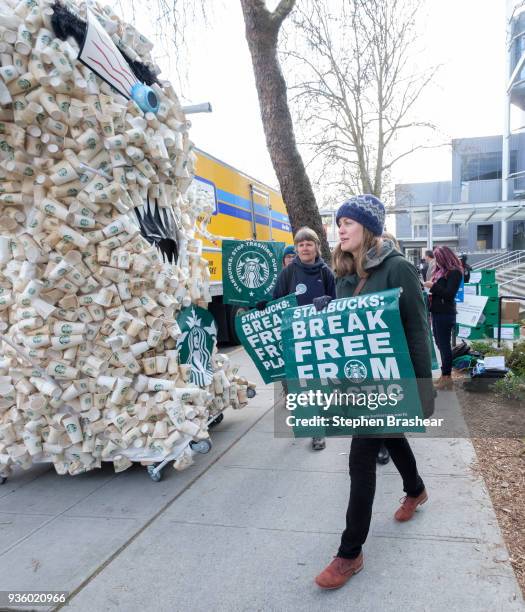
{"x": 300, "y": 289}
{"x": 355, "y": 370}
{"x": 252, "y": 270}
{"x": 195, "y": 343}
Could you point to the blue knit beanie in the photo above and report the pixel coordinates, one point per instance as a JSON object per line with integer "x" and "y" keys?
{"x": 365, "y": 209}
{"x": 289, "y": 250}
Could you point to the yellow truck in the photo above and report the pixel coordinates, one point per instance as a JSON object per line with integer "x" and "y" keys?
{"x": 245, "y": 209}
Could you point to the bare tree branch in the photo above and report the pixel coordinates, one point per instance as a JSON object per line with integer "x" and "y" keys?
{"x": 352, "y": 75}
{"x": 283, "y": 9}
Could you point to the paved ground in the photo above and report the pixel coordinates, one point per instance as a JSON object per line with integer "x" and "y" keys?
{"x": 248, "y": 527}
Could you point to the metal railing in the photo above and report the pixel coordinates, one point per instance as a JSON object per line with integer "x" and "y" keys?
{"x": 502, "y": 260}
{"x": 512, "y": 280}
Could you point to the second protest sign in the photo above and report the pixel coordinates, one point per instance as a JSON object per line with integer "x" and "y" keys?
{"x": 260, "y": 333}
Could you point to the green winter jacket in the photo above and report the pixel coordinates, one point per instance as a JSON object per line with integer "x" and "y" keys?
{"x": 389, "y": 270}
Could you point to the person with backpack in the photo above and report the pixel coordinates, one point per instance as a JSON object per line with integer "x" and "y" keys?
{"x": 366, "y": 263}
{"x": 309, "y": 278}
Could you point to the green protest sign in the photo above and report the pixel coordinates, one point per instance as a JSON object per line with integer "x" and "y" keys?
{"x": 260, "y": 334}
{"x": 249, "y": 270}
{"x": 195, "y": 344}
{"x": 349, "y": 370}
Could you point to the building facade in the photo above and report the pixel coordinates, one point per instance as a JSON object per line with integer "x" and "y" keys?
{"x": 458, "y": 213}
{"x": 483, "y": 207}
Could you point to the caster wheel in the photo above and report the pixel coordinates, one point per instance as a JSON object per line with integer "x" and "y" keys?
{"x": 218, "y": 419}
{"x": 155, "y": 476}
{"x": 3, "y": 480}
{"x": 202, "y": 446}
{"x": 250, "y": 393}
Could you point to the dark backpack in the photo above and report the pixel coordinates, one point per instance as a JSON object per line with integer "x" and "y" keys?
{"x": 460, "y": 350}
{"x": 466, "y": 272}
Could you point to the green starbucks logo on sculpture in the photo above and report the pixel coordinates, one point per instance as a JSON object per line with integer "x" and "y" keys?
{"x": 196, "y": 342}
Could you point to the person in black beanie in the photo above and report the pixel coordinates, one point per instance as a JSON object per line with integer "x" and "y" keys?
{"x": 288, "y": 255}
{"x": 364, "y": 262}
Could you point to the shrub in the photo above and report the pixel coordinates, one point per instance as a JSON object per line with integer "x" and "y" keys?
{"x": 516, "y": 360}
{"x": 511, "y": 387}
{"x": 486, "y": 348}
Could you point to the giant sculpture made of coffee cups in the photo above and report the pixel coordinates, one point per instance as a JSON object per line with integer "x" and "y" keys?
{"x": 99, "y": 249}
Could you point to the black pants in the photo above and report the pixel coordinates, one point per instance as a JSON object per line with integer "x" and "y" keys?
{"x": 443, "y": 324}
{"x": 363, "y": 453}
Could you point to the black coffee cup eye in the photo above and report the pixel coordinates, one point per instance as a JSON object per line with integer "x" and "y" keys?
{"x": 152, "y": 99}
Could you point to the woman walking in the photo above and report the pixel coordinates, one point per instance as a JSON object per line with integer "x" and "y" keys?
{"x": 366, "y": 263}
{"x": 443, "y": 286}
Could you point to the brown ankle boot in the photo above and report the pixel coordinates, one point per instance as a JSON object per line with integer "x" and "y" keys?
{"x": 409, "y": 505}
{"x": 444, "y": 383}
{"x": 339, "y": 572}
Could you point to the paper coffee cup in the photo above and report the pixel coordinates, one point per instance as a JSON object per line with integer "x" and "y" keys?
{"x": 135, "y": 327}
{"x": 121, "y": 463}
{"x": 160, "y": 384}
{"x": 161, "y": 430}
{"x": 61, "y": 343}
{"x": 120, "y": 390}
{"x": 139, "y": 348}
{"x": 110, "y": 449}
{"x": 72, "y": 427}
{"x": 33, "y": 444}
{"x": 61, "y": 370}
{"x": 185, "y": 372}
{"x": 189, "y": 428}
{"x": 161, "y": 364}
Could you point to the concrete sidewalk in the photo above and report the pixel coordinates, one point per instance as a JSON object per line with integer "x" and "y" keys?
{"x": 250, "y": 525}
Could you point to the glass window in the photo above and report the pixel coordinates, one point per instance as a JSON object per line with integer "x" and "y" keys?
{"x": 420, "y": 231}
{"x": 489, "y": 166}
{"x": 469, "y": 168}
{"x": 481, "y": 166}
{"x": 484, "y": 236}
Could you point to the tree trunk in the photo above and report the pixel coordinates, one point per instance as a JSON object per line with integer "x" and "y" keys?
{"x": 262, "y": 32}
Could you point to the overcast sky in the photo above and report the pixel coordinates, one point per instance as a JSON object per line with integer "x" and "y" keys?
{"x": 466, "y": 37}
